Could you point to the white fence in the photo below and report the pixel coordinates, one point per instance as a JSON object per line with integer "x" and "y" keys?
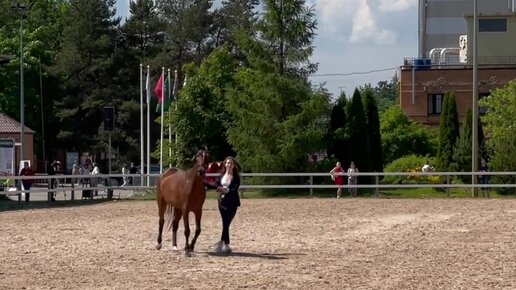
{"x": 110, "y": 181}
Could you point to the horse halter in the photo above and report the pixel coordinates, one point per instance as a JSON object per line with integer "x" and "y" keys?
{"x": 201, "y": 162}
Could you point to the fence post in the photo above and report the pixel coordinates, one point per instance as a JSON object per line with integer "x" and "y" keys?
{"x": 49, "y": 187}
{"x": 311, "y": 185}
{"x": 377, "y": 182}
{"x": 73, "y": 191}
{"x": 447, "y": 188}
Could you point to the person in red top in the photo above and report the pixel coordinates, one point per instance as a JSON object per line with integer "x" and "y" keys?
{"x": 27, "y": 183}
{"x": 337, "y": 175}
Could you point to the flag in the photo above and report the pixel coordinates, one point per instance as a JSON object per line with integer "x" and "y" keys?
{"x": 158, "y": 90}
{"x": 166, "y": 94}
{"x": 148, "y": 88}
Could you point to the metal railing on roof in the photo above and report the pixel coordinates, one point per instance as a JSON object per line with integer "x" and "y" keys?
{"x": 457, "y": 62}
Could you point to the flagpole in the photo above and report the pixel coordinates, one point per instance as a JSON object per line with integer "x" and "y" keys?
{"x": 148, "y": 128}
{"x": 174, "y": 94}
{"x": 162, "y": 105}
{"x": 141, "y": 121}
{"x": 184, "y": 84}
{"x": 169, "y": 126}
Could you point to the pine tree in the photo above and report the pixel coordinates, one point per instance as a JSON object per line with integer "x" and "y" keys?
{"x": 448, "y": 132}
{"x": 233, "y": 18}
{"x": 288, "y": 30}
{"x": 358, "y": 148}
{"x": 462, "y": 154}
{"x": 143, "y": 29}
{"x": 278, "y": 120}
{"x": 338, "y": 132}
{"x": 86, "y": 64}
{"x": 373, "y": 131}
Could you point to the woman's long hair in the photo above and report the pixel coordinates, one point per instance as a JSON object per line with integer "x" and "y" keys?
{"x": 236, "y": 167}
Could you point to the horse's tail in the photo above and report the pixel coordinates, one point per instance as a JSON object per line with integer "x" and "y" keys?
{"x": 169, "y": 212}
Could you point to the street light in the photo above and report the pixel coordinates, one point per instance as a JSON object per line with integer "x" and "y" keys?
{"x": 20, "y": 9}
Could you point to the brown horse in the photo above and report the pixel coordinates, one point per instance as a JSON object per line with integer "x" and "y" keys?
{"x": 182, "y": 191}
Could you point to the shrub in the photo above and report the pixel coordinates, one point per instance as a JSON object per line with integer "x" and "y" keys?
{"x": 410, "y": 163}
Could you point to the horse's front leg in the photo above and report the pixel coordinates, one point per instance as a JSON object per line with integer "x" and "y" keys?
{"x": 187, "y": 231}
{"x": 175, "y": 225}
{"x": 198, "y": 216}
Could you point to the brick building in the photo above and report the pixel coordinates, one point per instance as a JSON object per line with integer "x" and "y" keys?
{"x": 445, "y": 56}
{"x": 9, "y": 128}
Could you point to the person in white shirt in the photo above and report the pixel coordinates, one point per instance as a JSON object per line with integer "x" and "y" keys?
{"x": 94, "y": 180}
{"x": 352, "y": 179}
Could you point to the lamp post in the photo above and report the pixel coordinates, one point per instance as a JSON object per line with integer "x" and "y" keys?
{"x": 20, "y": 9}
{"x": 474, "y": 123}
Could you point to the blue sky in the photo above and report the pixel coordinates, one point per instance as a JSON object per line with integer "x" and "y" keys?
{"x": 357, "y": 36}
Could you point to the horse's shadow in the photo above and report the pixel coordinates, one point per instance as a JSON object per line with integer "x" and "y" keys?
{"x": 267, "y": 256}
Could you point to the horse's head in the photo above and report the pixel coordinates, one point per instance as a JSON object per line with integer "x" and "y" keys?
{"x": 201, "y": 162}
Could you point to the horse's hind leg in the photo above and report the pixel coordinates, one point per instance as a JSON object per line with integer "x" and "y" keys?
{"x": 187, "y": 231}
{"x": 162, "y": 206}
{"x": 198, "y": 216}
{"x": 175, "y": 225}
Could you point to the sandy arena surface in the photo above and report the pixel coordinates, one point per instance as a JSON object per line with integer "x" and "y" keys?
{"x": 277, "y": 244}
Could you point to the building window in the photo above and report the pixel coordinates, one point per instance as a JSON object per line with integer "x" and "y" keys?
{"x": 435, "y": 103}
{"x": 482, "y": 110}
{"x": 492, "y": 25}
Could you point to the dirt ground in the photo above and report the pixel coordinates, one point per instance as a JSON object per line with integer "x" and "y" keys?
{"x": 277, "y": 243}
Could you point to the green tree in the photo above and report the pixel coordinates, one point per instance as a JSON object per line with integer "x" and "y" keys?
{"x": 358, "y": 146}
{"x": 462, "y": 155}
{"x": 337, "y": 132}
{"x": 188, "y": 25}
{"x": 373, "y": 132}
{"x": 143, "y": 29}
{"x": 140, "y": 41}
{"x": 43, "y": 21}
{"x": 278, "y": 120}
{"x": 448, "y": 132}
{"x": 287, "y": 30}
{"x": 201, "y": 117}
{"x": 386, "y": 93}
{"x": 231, "y": 19}
{"x": 401, "y": 137}
{"x": 85, "y": 63}
{"x": 499, "y": 122}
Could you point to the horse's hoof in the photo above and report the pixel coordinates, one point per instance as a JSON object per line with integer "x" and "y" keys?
{"x": 191, "y": 248}
{"x": 158, "y": 247}
{"x": 175, "y": 249}
{"x": 187, "y": 254}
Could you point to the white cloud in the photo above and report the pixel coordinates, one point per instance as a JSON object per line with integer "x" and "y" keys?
{"x": 351, "y": 33}
{"x": 365, "y": 28}
{"x": 396, "y": 5}
{"x": 355, "y": 20}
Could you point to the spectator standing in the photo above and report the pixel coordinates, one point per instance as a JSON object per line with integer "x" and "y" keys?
{"x": 337, "y": 175}
{"x": 352, "y": 179}
{"x": 27, "y": 183}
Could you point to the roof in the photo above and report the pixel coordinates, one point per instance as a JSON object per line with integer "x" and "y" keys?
{"x": 9, "y": 125}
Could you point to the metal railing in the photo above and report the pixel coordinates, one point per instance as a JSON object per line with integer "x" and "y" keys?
{"x": 456, "y": 61}
{"x": 108, "y": 183}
